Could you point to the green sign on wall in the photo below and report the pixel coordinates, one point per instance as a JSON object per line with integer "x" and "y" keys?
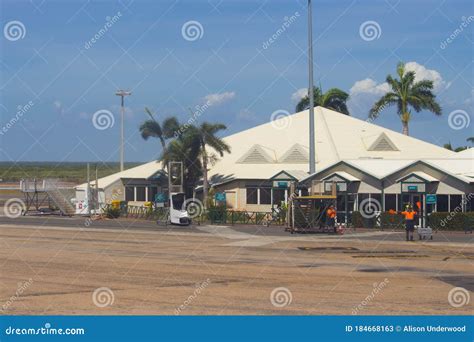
{"x": 431, "y": 199}
{"x": 220, "y": 196}
{"x": 412, "y": 188}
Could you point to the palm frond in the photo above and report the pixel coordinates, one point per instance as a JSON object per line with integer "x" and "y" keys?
{"x": 389, "y": 99}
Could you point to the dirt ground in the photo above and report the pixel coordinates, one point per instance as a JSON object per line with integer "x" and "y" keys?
{"x": 58, "y": 271}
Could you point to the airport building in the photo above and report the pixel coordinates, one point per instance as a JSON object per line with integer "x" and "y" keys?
{"x": 364, "y": 160}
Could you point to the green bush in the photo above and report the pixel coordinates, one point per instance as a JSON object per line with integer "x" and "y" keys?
{"x": 385, "y": 221}
{"x": 357, "y": 221}
{"x": 392, "y": 221}
{"x": 111, "y": 212}
{"x": 451, "y": 220}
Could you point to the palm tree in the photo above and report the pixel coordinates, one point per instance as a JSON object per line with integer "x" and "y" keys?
{"x": 448, "y": 146}
{"x": 152, "y": 128}
{"x": 334, "y": 99}
{"x": 204, "y": 138}
{"x": 185, "y": 150}
{"x": 405, "y": 93}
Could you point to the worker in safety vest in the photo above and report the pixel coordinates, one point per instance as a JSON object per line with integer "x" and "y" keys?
{"x": 409, "y": 214}
{"x": 331, "y": 217}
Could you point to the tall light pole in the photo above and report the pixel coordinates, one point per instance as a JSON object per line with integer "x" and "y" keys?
{"x": 312, "y": 160}
{"x": 122, "y": 94}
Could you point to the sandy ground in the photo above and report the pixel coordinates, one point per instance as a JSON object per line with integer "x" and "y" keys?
{"x": 54, "y": 270}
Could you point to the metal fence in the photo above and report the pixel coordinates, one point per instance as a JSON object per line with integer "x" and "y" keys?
{"x": 211, "y": 216}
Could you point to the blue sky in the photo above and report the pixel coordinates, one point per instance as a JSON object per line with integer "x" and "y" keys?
{"x": 63, "y": 80}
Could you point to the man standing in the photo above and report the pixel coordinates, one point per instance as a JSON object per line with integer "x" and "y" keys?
{"x": 409, "y": 214}
{"x": 331, "y": 217}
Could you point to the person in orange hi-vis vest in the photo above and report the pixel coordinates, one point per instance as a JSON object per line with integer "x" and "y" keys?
{"x": 331, "y": 217}
{"x": 409, "y": 214}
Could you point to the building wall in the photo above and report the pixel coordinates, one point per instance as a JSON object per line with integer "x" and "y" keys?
{"x": 115, "y": 191}
{"x": 446, "y": 185}
{"x": 236, "y": 195}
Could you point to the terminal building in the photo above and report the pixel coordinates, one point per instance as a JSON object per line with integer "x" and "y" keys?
{"x": 363, "y": 159}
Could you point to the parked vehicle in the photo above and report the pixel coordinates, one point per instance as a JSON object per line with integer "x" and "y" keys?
{"x": 178, "y": 214}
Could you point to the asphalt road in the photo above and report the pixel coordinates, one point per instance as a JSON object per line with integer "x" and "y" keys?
{"x": 257, "y": 230}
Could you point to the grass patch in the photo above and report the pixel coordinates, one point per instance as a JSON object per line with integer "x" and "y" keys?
{"x": 66, "y": 171}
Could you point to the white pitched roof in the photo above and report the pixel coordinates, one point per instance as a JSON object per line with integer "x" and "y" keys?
{"x": 344, "y": 175}
{"x": 142, "y": 171}
{"x": 467, "y": 153}
{"x": 338, "y": 137}
{"x": 422, "y": 175}
{"x": 462, "y": 169}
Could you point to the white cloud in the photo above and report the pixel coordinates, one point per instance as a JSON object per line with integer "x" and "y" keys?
{"x": 219, "y": 98}
{"x": 299, "y": 94}
{"x": 369, "y": 86}
{"x": 422, "y": 73}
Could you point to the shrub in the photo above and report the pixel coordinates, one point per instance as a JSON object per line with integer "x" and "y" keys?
{"x": 357, "y": 221}
{"x": 392, "y": 221}
{"x": 451, "y": 220}
{"x": 111, "y": 212}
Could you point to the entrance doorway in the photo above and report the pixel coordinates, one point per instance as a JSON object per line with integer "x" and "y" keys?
{"x": 416, "y": 200}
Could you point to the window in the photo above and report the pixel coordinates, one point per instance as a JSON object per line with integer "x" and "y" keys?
{"x": 469, "y": 202}
{"x": 455, "y": 203}
{"x": 405, "y": 201}
{"x": 152, "y": 191}
{"x": 351, "y": 199}
{"x": 341, "y": 203}
{"x": 278, "y": 196}
{"x": 178, "y": 201}
{"x": 141, "y": 193}
{"x": 442, "y": 203}
{"x": 252, "y": 197}
{"x": 129, "y": 193}
{"x": 390, "y": 202}
{"x": 376, "y": 200}
{"x": 265, "y": 196}
{"x": 360, "y": 198}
